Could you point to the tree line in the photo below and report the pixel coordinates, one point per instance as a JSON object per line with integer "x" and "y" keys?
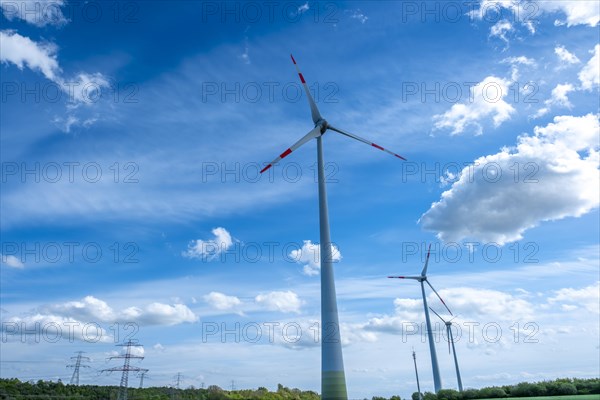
{"x": 558, "y": 387}
{"x": 14, "y": 389}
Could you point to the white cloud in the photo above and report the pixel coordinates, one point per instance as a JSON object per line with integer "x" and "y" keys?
{"x": 486, "y": 101}
{"x": 500, "y": 29}
{"x": 22, "y": 51}
{"x": 221, "y": 301}
{"x": 515, "y": 62}
{"x": 565, "y": 55}
{"x": 359, "y": 16}
{"x": 310, "y": 256}
{"x": 211, "y": 248}
{"x": 303, "y": 8}
{"x": 91, "y": 308}
{"x": 490, "y": 10}
{"x": 520, "y": 60}
{"x": 491, "y": 203}
{"x": 571, "y": 299}
{"x": 286, "y": 302}
{"x": 54, "y": 328}
{"x": 478, "y": 304}
{"x": 83, "y": 88}
{"x": 166, "y": 314}
{"x": 576, "y": 12}
{"x": 83, "y": 319}
{"x": 559, "y": 97}
{"x": 590, "y": 74}
{"x": 39, "y": 13}
{"x": 11, "y": 261}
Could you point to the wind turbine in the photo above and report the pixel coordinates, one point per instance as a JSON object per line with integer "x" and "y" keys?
{"x": 437, "y": 381}
{"x": 417, "y": 374}
{"x": 333, "y": 379}
{"x": 451, "y": 341}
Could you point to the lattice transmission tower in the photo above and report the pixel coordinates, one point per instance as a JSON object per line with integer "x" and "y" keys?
{"x": 78, "y": 364}
{"x": 126, "y": 367}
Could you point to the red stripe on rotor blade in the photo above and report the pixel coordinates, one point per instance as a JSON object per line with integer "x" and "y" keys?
{"x": 301, "y": 77}
{"x": 400, "y": 157}
{"x": 377, "y": 146}
{"x": 294, "y": 61}
{"x": 265, "y": 168}
{"x": 285, "y": 153}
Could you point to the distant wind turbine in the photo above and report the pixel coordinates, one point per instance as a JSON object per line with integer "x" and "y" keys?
{"x": 417, "y": 375}
{"x": 437, "y": 381}
{"x": 333, "y": 379}
{"x": 451, "y": 342}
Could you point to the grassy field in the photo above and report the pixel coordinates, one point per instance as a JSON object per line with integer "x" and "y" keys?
{"x": 570, "y": 397}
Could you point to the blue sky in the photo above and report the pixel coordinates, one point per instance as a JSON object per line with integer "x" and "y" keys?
{"x": 145, "y": 124}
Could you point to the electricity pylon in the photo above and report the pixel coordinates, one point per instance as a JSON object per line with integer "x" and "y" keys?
{"x": 126, "y": 368}
{"x": 143, "y": 373}
{"x": 77, "y": 366}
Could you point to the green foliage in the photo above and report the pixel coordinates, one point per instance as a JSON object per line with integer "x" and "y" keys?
{"x": 429, "y": 396}
{"x": 448, "y": 394}
{"x": 14, "y": 389}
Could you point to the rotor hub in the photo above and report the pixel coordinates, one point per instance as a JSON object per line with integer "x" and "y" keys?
{"x": 323, "y": 124}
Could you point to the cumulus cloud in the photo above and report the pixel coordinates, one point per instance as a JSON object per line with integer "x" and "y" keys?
{"x": 572, "y": 299}
{"x": 210, "y": 249}
{"x": 566, "y": 56}
{"x": 11, "y": 261}
{"x": 474, "y": 309}
{"x": 38, "y": 13}
{"x": 576, "y": 12}
{"x": 83, "y": 88}
{"x": 91, "y": 308}
{"x": 310, "y": 256}
{"x": 22, "y": 51}
{"x": 500, "y": 29}
{"x": 83, "y": 319}
{"x": 221, "y": 301}
{"x": 559, "y": 97}
{"x": 486, "y": 101}
{"x": 479, "y": 304}
{"x": 508, "y": 10}
{"x": 590, "y": 74}
{"x": 286, "y": 302}
{"x": 53, "y": 328}
{"x": 558, "y": 178}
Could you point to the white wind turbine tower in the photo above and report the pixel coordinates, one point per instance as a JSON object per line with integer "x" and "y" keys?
{"x": 437, "y": 381}
{"x": 451, "y": 342}
{"x": 417, "y": 375}
{"x": 333, "y": 379}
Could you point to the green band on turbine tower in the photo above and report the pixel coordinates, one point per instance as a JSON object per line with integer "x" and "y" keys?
{"x": 334, "y": 385}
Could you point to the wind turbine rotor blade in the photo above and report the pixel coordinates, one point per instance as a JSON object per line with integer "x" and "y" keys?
{"x": 310, "y": 135}
{"x": 365, "y": 141}
{"x": 314, "y": 111}
{"x": 405, "y": 277}
{"x": 437, "y": 315}
{"x": 424, "y": 272}
{"x": 439, "y": 297}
